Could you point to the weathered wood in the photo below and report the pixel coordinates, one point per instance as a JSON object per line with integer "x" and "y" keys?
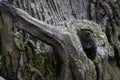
{"x": 40, "y": 30}
{"x": 76, "y": 63}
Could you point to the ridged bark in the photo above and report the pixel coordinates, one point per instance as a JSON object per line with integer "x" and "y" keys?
{"x": 80, "y": 50}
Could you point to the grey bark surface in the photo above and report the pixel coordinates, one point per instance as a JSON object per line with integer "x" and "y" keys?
{"x": 79, "y": 47}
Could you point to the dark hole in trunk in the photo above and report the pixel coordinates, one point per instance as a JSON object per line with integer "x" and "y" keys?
{"x": 88, "y": 43}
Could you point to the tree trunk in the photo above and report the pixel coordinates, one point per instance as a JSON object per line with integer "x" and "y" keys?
{"x": 80, "y": 50}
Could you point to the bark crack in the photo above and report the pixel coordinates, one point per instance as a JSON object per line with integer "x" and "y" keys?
{"x": 88, "y": 43}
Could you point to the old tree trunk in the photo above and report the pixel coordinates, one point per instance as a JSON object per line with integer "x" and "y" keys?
{"x": 69, "y": 39}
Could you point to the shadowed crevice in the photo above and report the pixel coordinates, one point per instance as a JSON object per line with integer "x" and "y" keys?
{"x": 119, "y": 37}
{"x": 88, "y": 43}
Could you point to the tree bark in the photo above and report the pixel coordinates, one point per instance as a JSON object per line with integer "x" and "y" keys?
{"x": 80, "y": 46}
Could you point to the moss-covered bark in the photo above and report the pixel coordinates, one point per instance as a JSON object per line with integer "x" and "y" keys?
{"x": 24, "y": 57}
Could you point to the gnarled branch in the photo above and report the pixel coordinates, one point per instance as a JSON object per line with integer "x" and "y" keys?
{"x": 43, "y": 31}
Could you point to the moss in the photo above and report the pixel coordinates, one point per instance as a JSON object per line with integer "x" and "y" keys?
{"x": 3, "y": 66}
